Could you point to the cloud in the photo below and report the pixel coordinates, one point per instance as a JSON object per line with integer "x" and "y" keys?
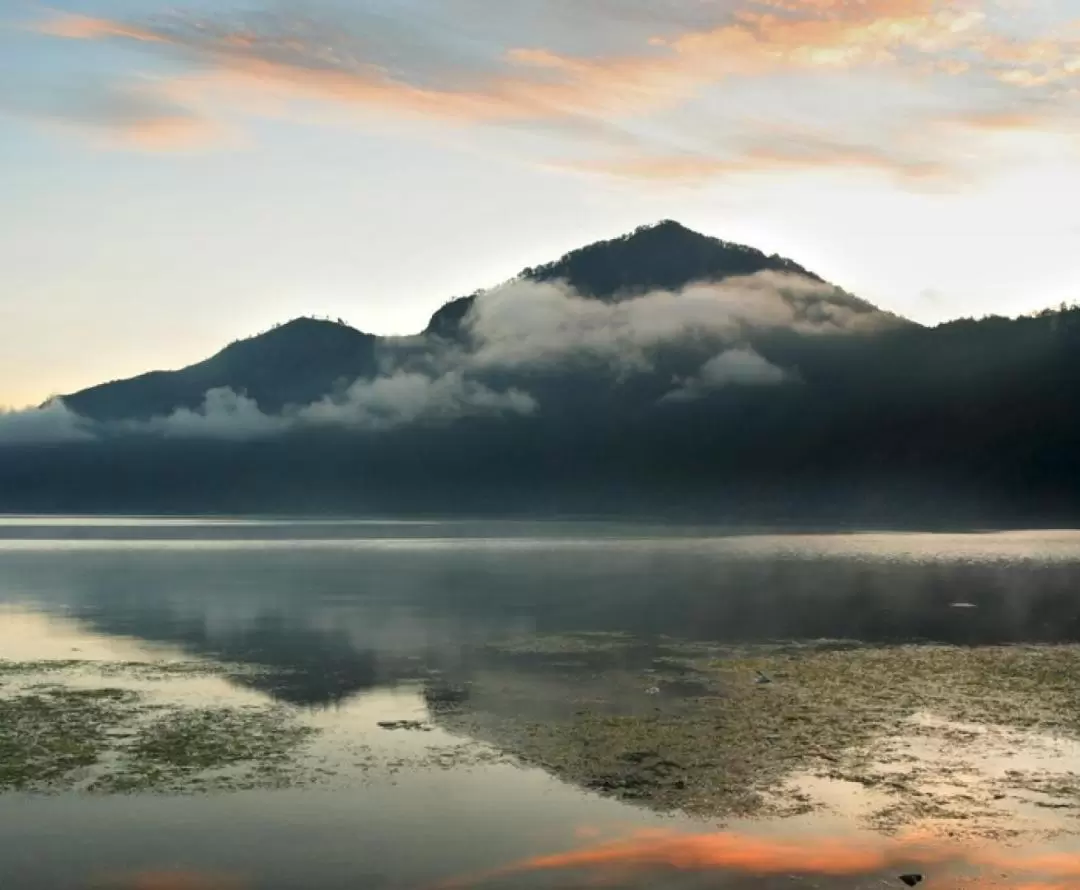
{"x": 527, "y": 324}
{"x": 81, "y": 27}
{"x": 478, "y": 62}
{"x": 139, "y": 115}
{"x": 811, "y": 154}
{"x": 999, "y": 120}
{"x": 51, "y": 423}
{"x": 224, "y": 414}
{"x": 383, "y": 403}
{"x": 408, "y": 397}
{"x": 742, "y": 367}
{"x": 308, "y": 57}
{"x": 1027, "y": 117}
{"x": 169, "y": 134}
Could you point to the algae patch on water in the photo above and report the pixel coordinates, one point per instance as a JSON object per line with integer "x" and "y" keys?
{"x": 106, "y": 739}
{"x": 47, "y": 734}
{"x": 210, "y": 749}
{"x": 720, "y": 730}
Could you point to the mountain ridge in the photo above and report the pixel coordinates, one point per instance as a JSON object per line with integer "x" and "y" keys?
{"x": 305, "y": 359}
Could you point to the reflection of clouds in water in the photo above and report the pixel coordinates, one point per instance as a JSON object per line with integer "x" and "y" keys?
{"x": 735, "y": 852}
{"x": 919, "y": 547}
{"x": 863, "y": 858}
{"x": 152, "y": 879}
{"x": 26, "y": 635}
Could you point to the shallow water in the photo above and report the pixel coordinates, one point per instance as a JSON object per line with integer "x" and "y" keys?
{"x": 348, "y": 622}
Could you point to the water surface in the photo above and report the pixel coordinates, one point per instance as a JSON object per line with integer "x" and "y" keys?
{"x": 350, "y": 622}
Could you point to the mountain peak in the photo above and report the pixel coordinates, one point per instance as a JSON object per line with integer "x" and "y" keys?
{"x": 666, "y": 227}
{"x": 292, "y": 363}
{"x": 665, "y": 255}
{"x": 660, "y": 256}
{"x": 305, "y": 324}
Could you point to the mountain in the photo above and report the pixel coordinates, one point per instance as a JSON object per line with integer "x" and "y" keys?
{"x": 305, "y": 359}
{"x": 662, "y": 373}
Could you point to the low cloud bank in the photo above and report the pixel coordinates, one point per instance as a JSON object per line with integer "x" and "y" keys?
{"x": 380, "y": 404}
{"x": 224, "y": 414}
{"x": 520, "y": 327}
{"x": 49, "y": 424}
{"x": 527, "y": 324}
{"x": 405, "y": 397}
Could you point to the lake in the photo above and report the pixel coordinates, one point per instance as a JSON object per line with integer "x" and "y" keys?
{"x": 192, "y": 703}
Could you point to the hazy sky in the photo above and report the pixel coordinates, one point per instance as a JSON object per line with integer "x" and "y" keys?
{"x": 172, "y": 178}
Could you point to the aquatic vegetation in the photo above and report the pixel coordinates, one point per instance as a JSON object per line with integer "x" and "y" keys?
{"x": 47, "y": 734}
{"x": 106, "y": 739}
{"x": 23, "y": 668}
{"x": 210, "y": 748}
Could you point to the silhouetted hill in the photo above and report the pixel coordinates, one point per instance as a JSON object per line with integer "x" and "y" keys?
{"x": 294, "y": 363}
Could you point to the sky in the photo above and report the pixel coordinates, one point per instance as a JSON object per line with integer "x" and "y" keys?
{"x": 175, "y": 176}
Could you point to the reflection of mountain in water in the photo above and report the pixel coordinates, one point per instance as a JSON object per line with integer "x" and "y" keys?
{"x": 328, "y": 622}
{"x": 297, "y": 664}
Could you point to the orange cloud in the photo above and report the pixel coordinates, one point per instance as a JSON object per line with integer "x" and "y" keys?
{"x": 998, "y": 120}
{"x": 766, "y": 159}
{"x": 175, "y": 133}
{"x": 80, "y": 27}
{"x": 828, "y": 35}
{"x": 268, "y": 70}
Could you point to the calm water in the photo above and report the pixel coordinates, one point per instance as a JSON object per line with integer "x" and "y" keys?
{"x": 344, "y": 619}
